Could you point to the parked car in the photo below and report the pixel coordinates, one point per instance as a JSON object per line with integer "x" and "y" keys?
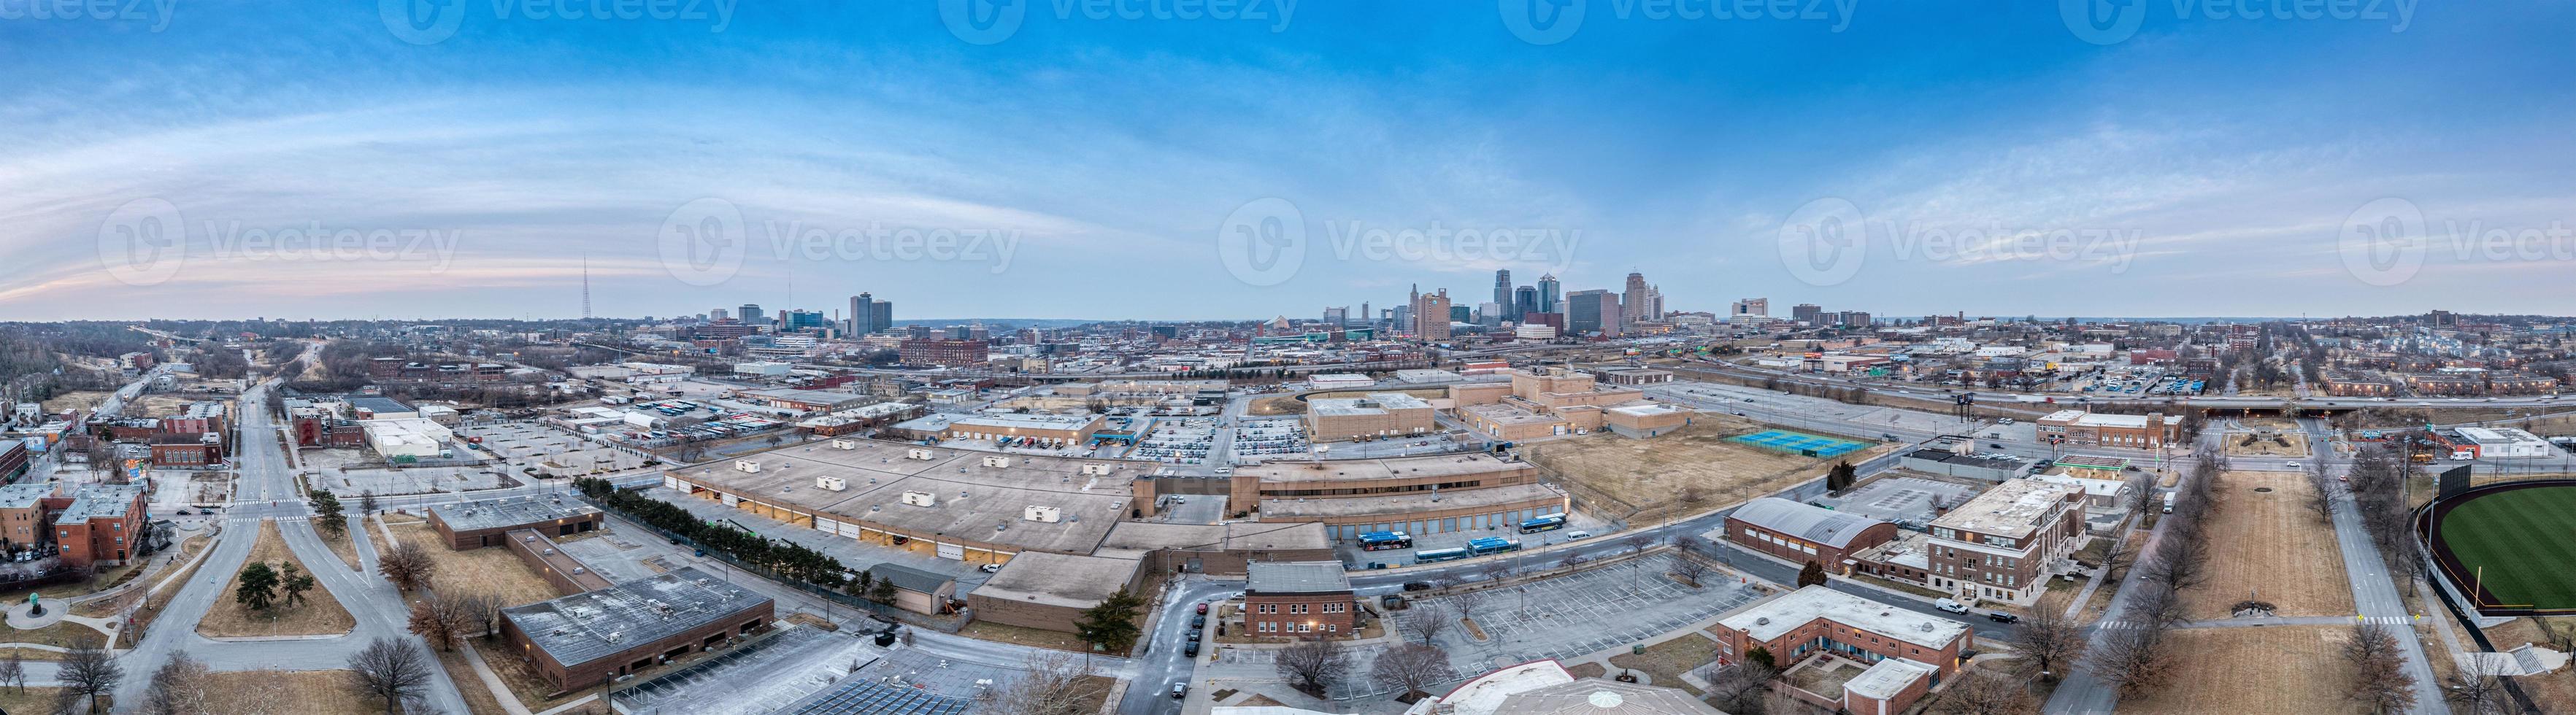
{"x": 990, "y": 568}
{"x": 1180, "y": 690}
{"x": 1951, "y": 606}
{"x": 1416, "y": 586}
{"x": 1198, "y": 621}
{"x": 1195, "y": 635}
{"x": 1191, "y": 648}
{"x": 1202, "y": 608}
{"x": 2002, "y": 617}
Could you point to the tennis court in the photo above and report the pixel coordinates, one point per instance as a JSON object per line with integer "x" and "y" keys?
{"x": 1801, "y": 443}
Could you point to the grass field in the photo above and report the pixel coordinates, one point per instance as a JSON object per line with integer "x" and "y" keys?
{"x": 2271, "y": 547}
{"x": 2510, "y": 533}
{"x": 2282, "y": 444}
{"x": 492, "y": 571}
{"x": 320, "y": 614}
{"x": 1639, "y": 478}
{"x": 2276, "y": 671}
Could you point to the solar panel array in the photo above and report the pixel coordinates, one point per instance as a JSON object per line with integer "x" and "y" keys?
{"x": 868, "y": 697}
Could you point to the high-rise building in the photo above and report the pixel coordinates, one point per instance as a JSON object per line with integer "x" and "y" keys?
{"x": 718, "y": 314}
{"x": 868, "y": 315}
{"x": 1430, "y": 313}
{"x": 802, "y": 320}
{"x": 1337, "y": 317}
{"x": 1462, "y": 314}
{"x": 1592, "y": 310}
{"x": 1489, "y": 315}
{"x": 1808, "y": 313}
{"x": 1548, "y": 300}
{"x": 1503, "y": 286}
{"x": 1752, "y": 306}
{"x": 1367, "y": 319}
{"x": 750, "y": 313}
{"x": 1524, "y": 302}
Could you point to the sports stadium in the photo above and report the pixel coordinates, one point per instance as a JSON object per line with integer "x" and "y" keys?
{"x": 2510, "y": 547}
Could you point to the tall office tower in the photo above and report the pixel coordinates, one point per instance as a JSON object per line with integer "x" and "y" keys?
{"x": 1549, "y": 299}
{"x": 1462, "y": 314}
{"x": 1430, "y": 315}
{"x": 1503, "y": 286}
{"x": 1590, "y": 310}
{"x": 1524, "y": 302}
{"x": 1489, "y": 315}
{"x": 1367, "y": 319}
{"x": 1337, "y": 317}
{"x": 718, "y": 314}
{"x": 751, "y": 313}
{"x": 1633, "y": 296}
{"x": 1808, "y": 313}
{"x": 1752, "y": 306}
{"x": 868, "y": 315}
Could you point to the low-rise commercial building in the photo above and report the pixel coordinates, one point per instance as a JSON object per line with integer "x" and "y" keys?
{"x": 1049, "y": 430}
{"x": 1215, "y": 549}
{"x": 1379, "y": 414}
{"x": 1803, "y": 533}
{"x": 477, "y": 524}
{"x": 1418, "y": 495}
{"x": 586, "y": 639}
{"x": 2148, "y": 431}
{"x": 2005, "y": 543}
{"x": 1299, "y": 598}
{"x": 1050, "y": 591}
{"x": 100, "y": 524}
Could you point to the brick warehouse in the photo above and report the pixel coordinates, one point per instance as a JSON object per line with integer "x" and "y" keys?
{"x": 586, "y": 639}
{"x": 1802, "y": 533}
{"x": 474, "y": 525}
{"x": 1298, "y": 598}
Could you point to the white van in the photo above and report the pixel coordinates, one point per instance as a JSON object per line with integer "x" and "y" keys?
{"x": 1577, "y": 534}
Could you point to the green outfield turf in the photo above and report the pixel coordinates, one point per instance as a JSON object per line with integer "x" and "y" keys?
{"x": 2525, "y": 539}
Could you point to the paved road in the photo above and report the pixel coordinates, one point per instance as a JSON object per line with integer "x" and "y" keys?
{"x": 1149, "y": 690}
{"x": 2373, "y": 591}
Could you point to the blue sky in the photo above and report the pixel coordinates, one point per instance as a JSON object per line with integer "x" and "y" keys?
{"x": 1997, "y": 158}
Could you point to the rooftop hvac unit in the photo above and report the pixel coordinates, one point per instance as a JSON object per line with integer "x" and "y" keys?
{"x": 746, "y": 465}
{"x": 1046, "y": 514}
{"x": 831, "y": 483}
{"x": 995, "y": 460}
{"x": 845, "y": 444}
{"x": 1095, "y": 469}
{"x": 920, "y": 454}
{"x": 920, "y": 499}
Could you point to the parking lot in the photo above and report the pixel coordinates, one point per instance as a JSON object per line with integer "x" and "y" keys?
{"x": 763, "y": 677}
{"x": 1184, "y": 440}
{"x": 1573, "y": 616}
{"x": 1255, "y": 440}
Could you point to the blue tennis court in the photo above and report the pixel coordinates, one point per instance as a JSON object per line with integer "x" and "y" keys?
{"x": 1801, "y": 443}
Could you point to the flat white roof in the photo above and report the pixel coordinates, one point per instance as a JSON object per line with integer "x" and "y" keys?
{"x": 2012, "y": 508}
{"x": 1776, "y": 617}
{"x": 1886, "y": 678}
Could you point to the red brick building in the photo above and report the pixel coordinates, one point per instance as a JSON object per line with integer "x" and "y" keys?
{"x": 583, "y": 640}
{"x": 1902, "y": 655}
{"x": 1298, "y": 598}
{"x": 1801, "y": 533}
{"x": 102, "y": 523}
{"x": 947, "y": 353}
{"x": 187, "y": 450}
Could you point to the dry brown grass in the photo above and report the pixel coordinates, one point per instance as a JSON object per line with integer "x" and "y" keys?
{"x": 64, "y": 635}
{"x": 2288, "y": 444}
{"x": 536, "y": 693}
{"x": 1667, "y": 661}
{"x": 493, "y": 570}
{"x": 320, "y": 614}
{"x": 2271, "y": 545}
{"x": 344, "y": 546}
{"x": 2275, "y": 670}
{"x": 83, "y": 400}
{"x": 1640, "y": 479}
{"x": 478, "y": 696}
{"x": 989, "y": 631}
{"x": 303, "y": 692}
{"x": 1587, "y": 670}
{"x": 29, "y": 700}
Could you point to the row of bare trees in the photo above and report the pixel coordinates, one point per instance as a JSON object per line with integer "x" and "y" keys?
{"x": 2139, "y": 656}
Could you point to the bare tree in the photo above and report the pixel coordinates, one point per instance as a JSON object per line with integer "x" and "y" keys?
{"x": 2133, "y": 659}
{"x": 1409, "y": 668}
{"x": 1986, "y": 693}
{"x": 482, "y": 615}
{"x": 2180, "y": 561}
{"x": 1739, "y": 688}
{"x": 1465, "y": 602}
{"x": 178, "y": 688}
{"x": 89, "y": 672}
{"x": 1689, "y": 568}
{"x": 408, "y": 566}
{"x": 13, "y": 672}
{"x": 2320, "y": 491}
{"x": 2117, "y": 556}
{"x": 441, "y": 620}
{"x": 1570, "y": 559}
{"x": 1314, "y": 663}
{"x": 390, "y": 670}
{"x": 1637, "y": 543}
{"x": 1495, "y": 570}
{"x": 1055, "y": 684}
{"x": 1425, "y": 620}
{"x": 2048, "y": 638}
{"x": 2379, "y": 679}
{"x": 2478, "y": 692}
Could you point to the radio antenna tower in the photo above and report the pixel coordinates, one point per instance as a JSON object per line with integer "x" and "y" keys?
{"x": 585, "y": 286}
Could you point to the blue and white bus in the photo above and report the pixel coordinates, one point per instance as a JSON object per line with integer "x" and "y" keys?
{"x": 1385, "y": 540}
{"x": 1550, "y": 522}
{"x": 1432, "y": 555}
{"x": 1492, "y": 545}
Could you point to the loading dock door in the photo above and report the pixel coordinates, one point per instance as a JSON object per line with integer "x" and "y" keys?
{"x": 952, "y": 551}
